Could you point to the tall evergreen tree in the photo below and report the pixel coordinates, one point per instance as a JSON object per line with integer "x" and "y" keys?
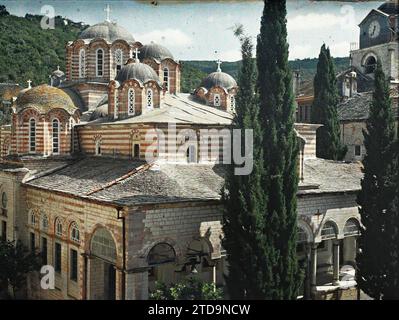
{"x": 243, "y": 196}
{"x": 324, "y": 109}
{"x": 376, "y": 198}
{"x": 280, "y": 277}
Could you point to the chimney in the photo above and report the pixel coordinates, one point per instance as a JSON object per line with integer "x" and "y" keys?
{"x": 296, "y": 83}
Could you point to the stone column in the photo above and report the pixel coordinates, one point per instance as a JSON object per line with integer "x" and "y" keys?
{"x": 392, "y": 63}
{"x": 335, "y": 262}
{"x": 313, "y": 266}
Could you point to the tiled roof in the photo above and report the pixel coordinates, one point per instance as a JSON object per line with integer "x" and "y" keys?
{"x": 324, "y": 176}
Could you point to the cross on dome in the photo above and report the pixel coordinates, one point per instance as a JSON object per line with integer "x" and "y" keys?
{"x": 58, "y": 68}
{"x": 218, "y": 62}
{"x": 29, "y": 84}
{"x": 108, "y": 10}
{"x": 136, "y": 55}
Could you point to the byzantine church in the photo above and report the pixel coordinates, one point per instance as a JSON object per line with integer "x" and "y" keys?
{"x": 76, "y": 185}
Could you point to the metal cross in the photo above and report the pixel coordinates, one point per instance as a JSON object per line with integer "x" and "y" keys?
{"x": 136, "y": 54}
{"x": 29, "y": 82}
{"x": 219, "y": 63}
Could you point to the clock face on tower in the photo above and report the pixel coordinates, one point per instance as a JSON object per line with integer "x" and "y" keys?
{"x": 374, "y": 29}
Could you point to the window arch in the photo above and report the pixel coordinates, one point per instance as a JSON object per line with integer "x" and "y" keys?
{"x": 82, "y": 63}
{"x": 131, "y": 99}
{"x": 99, "y": 62}
{"x": 56, "y": 136}
{"x": 216, "y": 100}
{"x": 160, "y": 254}
{"x": 103, "y": 245}
{"x": 370, "y": 64}
{"x": 166, "y": 78}
{"x": 74, "y": 233}
{"x": 32, "y": 135}
{"x": 150, "y": 96}
{"x": 118, "y": 60}
{"x": 351, "y": 228}
{"x": 58, "y": 227}
{"x": 44, "y": 224}
{"x": 33, "y": 218}
{"x": 329, "y": 231}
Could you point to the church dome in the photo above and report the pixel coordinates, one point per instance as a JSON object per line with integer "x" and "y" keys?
{"x": 108, "y": 31}
{"x": 44, "y": 98}
{"x": 155, "y": 51}
{"x": 58, "y": 73}
{"x": 138, "y": 71}
{"x": 220, "y": 79}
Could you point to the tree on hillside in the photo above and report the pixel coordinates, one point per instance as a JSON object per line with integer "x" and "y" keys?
{"x": 376, "y": 198}
{"x": 243, "y": 197}
{"x": 324, "y": 109}
{"x": 281, "y": 276}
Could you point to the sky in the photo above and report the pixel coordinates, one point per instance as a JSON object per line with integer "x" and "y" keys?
{"x": 202, "y": 30}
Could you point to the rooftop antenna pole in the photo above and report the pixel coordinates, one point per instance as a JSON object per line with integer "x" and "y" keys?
{"x": 108, "y": 11}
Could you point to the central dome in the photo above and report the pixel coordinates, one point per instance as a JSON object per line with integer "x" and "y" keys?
{"x": 44, "y": 98}
{"x": 155, "y": 51}
{"x": 138, "y": 71}
{"x": 220, "y": 79}
{"x": 108, "y": 31}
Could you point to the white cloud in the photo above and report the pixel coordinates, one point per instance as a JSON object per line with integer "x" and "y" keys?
{"x": 340, "y": 49}
{"x": 302, "y": 51}
{"x": 168, "y": 37}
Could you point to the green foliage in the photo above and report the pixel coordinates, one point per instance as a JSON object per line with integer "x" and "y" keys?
{"x": 16, "y": 261}
{"x": 378, "y": 259}
{"x": 243, "y": 197}
{"x": 189, "y": 289}
{"x": 324, "y": 109}
{"x": 280, "y": 276}
{"x": 29, "y": 52}
{"x": 191, "y": 77}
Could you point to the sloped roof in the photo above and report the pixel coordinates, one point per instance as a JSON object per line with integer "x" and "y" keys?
{"x": 179, "y": 109}
{"x": 330, "y": 176}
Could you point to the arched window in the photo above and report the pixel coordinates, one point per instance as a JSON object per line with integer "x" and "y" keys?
{"x": 82, "y": 63}
{"x": 160, "y": 254}
{"x": 370, "y": 65}
{"x": 166, "y": 78}
{"x": 118, "y": 60}
{"x": 32, "y": 135}
{"x": 99, "y": 62}
{"x": 150, "y": 103}
{"x": 116, "y": 104}
{"x": 216, "y": 100}
{"x": 302, "y": 235}
{"x": 33, "y": 218}
{"x": 56, "y": 136}
{"x": 232, "y": 103}
{"x": 58, "y": 227}
{"x": 191, "y": 154}
{"x": 130, "y": 102}
{"x": 4, "y": 200}
{"x": 44, "y": 224}
{"x": 329, "y": 231}
{"x": 98, "y": 147}
{"x": 103, "y": 245}
{"x": 351, "y": 228}
{"x": 75, "y": 235}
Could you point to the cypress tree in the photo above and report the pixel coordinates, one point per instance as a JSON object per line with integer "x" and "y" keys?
{"x": 324, "y": 109}
{"x": 281, "y": 277}
{"x": 243, "y": 198}
{"x": 376, "y": 198}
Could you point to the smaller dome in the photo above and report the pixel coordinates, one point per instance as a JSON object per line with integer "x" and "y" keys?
{"x": 58, "y": 73}
{"x": 155, "y": 51}
{"x": 45, "y": 98}
{"x": 220, "y": 79}
{"x": 108, "y": 31}
{"x": 139, "y": 71}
